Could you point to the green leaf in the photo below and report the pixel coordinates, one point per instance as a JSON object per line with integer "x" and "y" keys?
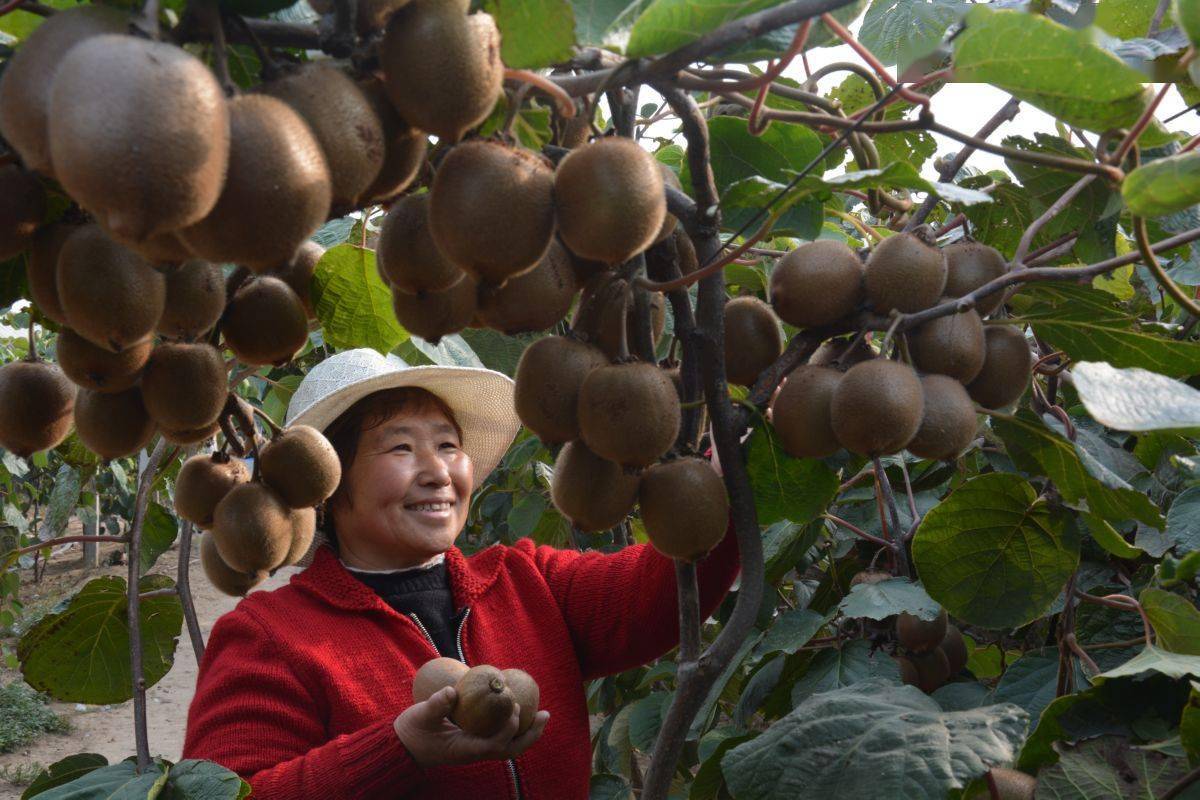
{"x": 609, "y": 787}
{"x": 1110, "y": 768}
{"x": 1187, "y": 12}
{"x": 275, "y": 404}
{"x": 64, "y": 771}
{"x": 19, "y": 24}
{"x": 993, "y": 554}
{"x": 646, "y": 719}
{"x": 64, "y": 497}
{"x": 772, "y": 43}
{"x": 1134, "y": 399}
{"x": 1156, "y": 660}
{"x": 1183, "y": 521}
{"x": 881, "y": 600}
{"x": 669, "y": 24}
{"x": 1045, "y": 185}
{"x": 1175, "y": 620}
{"x": 790, "y": 631}
{"x": 352, "y": 303}
{"x": 594, "y": 18}
{"x": 838, "y": 667}
{"x": 1163, "y": 186}
{"x": 1031, "y": 682}
{"x": 1107, "y": 537}
{"x": 1189, "y": 726}
{"x": 1126, "y": 19}
{"x": 533, "y": 33}
{"x": 525, "y": 513}
{"x": 158, "y": 534}
{"x": 115, "y": 782}
{"x": 902, "y": 31}
{"x": 192, "y": 779}
{"x": 786, "y": 488}
{"x": 1001, "y": 222}
{"x": 531, "y": 126}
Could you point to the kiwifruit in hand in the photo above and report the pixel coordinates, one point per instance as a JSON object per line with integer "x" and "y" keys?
{"x": 534, "y": 300}
{"x": 92, "y": 367}
{"x": 406, "y": 253}
{"x": 278, "y": 191}
{"x": 948, "y": 421}
{"x": 904, "y": 273}
{"x": 877, "y": 406}
{"x": 298, "y": 274}
{"x": 184, "y": 386}
{"x": 1007, "y": 363}
{"x": 191, "y": 435}
{"x": 548, "y": 378}
{"x": 41, "y": 269}
{"x": 343, "y": 120}
{"x": 609, "y": 199}
{"x": 669, "y": 220}
{"x": 37, "y": 405}
{"x": 526, "y": 693}
{"x": 22, "y": 206}
{"x": 955, "y": 649}
{"x": 252, "y": 527}
{"x": 971, "y": 264}
{"x": 265, "y": 322}
{"x": 921, "y": 635}
{"x": 433, "y": 315}
{"x": 950, "y": 345}
{"x": 753, "y": 339}
{"x": 817, "y": 283}
{"x": 436, "y": 674}
{"x": 484, "y": 702}
{"x": 842, "y": 354}
{"x": 593, "y": 492}
{"x": 403, "y": 147}
{"x": 304, "y": 530}
{"x": 139, "y": 134}
{"x": 491, "y": 209}
{"x": 203, "y": 480}
{"x": 195, "y": 299}
{"x": 684, "y": 507}
{"x": 802, "y": 412}
{"x": 221, "y": 575}
{"x": 933, "y": 670}
{"x": 1011, "y": 784}
{"x": 628, "y": 413}
{"x": 442, "y": 68}
{"x": 112, "y": 425}
{"x": 301, "y": 465}
{"x": 26, "y": 80}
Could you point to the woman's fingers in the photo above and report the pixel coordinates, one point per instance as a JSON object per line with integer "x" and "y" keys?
{"x": 436, "y": 708}
{"x": 522, "y": 743}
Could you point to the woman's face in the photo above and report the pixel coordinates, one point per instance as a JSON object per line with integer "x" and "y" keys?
{"x": 409, "y": 492}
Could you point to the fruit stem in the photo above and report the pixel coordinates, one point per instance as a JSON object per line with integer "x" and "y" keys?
{"x": 210, "y": 14}
{"x": 897, "y": 540}
{"x": 1160, "y": 275}
{"x": 33, "y": 356}
{"x": 623, "y": 338}
{"x": 272, "y": 424}
{"x": 562, "y": 101}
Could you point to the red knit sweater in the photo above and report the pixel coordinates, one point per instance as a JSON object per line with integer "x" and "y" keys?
{"x": 299, "y": 687}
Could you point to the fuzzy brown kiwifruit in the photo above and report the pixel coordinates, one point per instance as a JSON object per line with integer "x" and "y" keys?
{"x": 548, "y": 378}
{"x": 608, "y": 196}
{"x": 572, "y": 132}
{"x": 301, "y": 465}
{"x": 139, "y": 134}
{"x": 184, "y": 386}
{"x": 224, "y": 577}
{"x": 842, "y": 354}
{"x": 491, "y": 209}
{"x": 434, "y": 675}
{"x": 628, "y": 413}
{"x": 948, "y": 421}
{"x": 817, "y": 283}
{"x": 908, "y": 671}
{"x": 802, "y": 412}
{"x": 278, "y": 191}
{"x": 971, "y": 264}
{"x": 112, "y": 425}
{"x": 1007, "y": 363}
{"x": 955, "y": 649}
{"x": 876, "y": 408}
{"x": 593, "y": 492}
{"x": 298, "y": 274}
{"x": 526, "y": 693}
{"x": 92, "y": 367}
{"x": 37, "y": 405}
{"x": 609, "y": 320}
{"x": 684, "y": 507}
{"x": 484, "y": 703}
{"x": 110, "y": 295}
{"x": 195, "y": 299}
{"x": 304, "y": 531}
{"x": 442, "y": 68}
{"x": 265, "y": 322}
{"x": 670, "y": 222}
{"x": 190, "y": 435}
{"x": 406, "y": 254}
{"x": 950, "y": 345}
{"x": 933, "y": 670}
{"x": 203, "y": 480}
{"x": 403, "y": 147}
{"x": 433, "y": 315}
{"x": 689, "y": 262}
{"x": 533, "y": 300}
{"x": 252, "y": 527}
{"x": 753, "y": 339}
{"x": 22, "y": 206}
{"x": 160, "y": 249}
{"x": 904, "y": 273}
{"x": 921, "y": 635}
{"x": 1011, "y": 784}
{"x": 41, "y": 269}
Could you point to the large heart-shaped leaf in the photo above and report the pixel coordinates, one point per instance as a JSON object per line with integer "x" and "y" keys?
{"x": 1134, "y": 399}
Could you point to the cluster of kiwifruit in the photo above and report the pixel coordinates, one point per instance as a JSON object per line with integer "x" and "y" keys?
{"x": 484, "y": 695}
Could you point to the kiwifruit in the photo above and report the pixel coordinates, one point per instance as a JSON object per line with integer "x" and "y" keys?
{"x": 908, "y": 671}
{"x": 26, "y": 80}
{"x": 686, "y": 248}
{"x": 876, "y": 407}
{"x": 41, "y": 269}
{"x": 304, "y": 530}
{"x": 195, "y": 299}
{"x": 971, "y": 264}
{"x": 403, "y": 147}
{"x": 593, "y": 492}
{"x": 955, "y": 649}
{"x": 802, "y": 412}
{"x": 298, "y": 274}
{"x": 265, "y": 322}
{"x": 406, "y": 253}
{"x": 533, "y": 300}
{"x": 112, "y": 425}
{"x": 491, "y": 209}
{"x": 252, "y": 527}
{"x": 433, "y": 315}
{"x": 22, "y": 206}
{"x": 548, "y": 378}
{"x": 948, "y": 421}
{"x": 110, "y": 295}
{"x": 573, "y": 132}
{"x": 933, "y": 670}
{"x": 342, "y": 119}
{"x": 434, "y": 675}
{"x": 904, "y": 273}
{"x": 484, "y": 702}
{"x": 1010, "y": 784}
{"x": 921, "y": 635}
{"x": 277, "y": 193}
{"x": 92, "y": 367}
{"x": 870, "y": 577}
{"x": 442, "y": 68}
{"x": 609, "y": 199}
{"x": 753, "y": 339}
{"x": 184, "y": 386}
{"x": 37, "y": 405}
{"x": 301, "y": 465}
{"x": 203, "y": 480}
{"x": 225, "y": 578}
{"x": 1007, "y": 363}
{"x": 817, "y": 283}
{"x": 677, "y": 247}
{"x": 526, "y": 693}
{"x": 669, "y": 220}
{"x": 139, "y": 134}
{"x": 628, "y": 413}
{"x": 191, "y": 435}
{"x": 585, "y": 270}
{"x": 159, "y": 249}
{"x": 950, "y": 345}
{"x": 684, "y": 507}
{"x": 842, "y": 353}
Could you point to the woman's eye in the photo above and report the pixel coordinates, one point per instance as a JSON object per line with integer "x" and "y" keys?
{"x": 450, "y": 445}
{"x": 402, "y": 447}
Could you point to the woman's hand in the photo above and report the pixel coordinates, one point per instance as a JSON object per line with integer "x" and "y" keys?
{"x": 433, "y": 740}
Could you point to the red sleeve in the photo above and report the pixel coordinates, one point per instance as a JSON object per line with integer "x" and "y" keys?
{"x": 252, "y": 715}
{"x": 622, "y": 608}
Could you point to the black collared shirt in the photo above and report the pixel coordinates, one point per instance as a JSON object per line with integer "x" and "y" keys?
{"x": 423, "y": 591}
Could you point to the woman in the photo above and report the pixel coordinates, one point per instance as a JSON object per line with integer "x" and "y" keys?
{"x": 306, "y": 691}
